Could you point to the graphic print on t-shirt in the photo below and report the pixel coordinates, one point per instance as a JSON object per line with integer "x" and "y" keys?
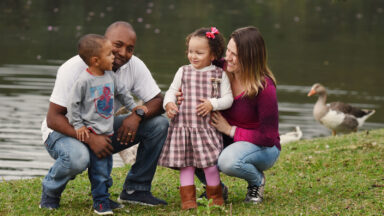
{"x": 103, "y": 99}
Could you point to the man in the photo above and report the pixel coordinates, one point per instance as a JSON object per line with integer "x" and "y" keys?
{"x": 145, "y": 126}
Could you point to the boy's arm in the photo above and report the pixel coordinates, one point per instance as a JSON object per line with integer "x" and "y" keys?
{"x": 76, "y": 98}
{"x": 123, "y": 95}
{"x": 226, "y": 99}
{"x": 76, "y": 101}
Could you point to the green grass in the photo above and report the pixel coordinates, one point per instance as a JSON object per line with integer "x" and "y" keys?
{"x": 326, "y": 176}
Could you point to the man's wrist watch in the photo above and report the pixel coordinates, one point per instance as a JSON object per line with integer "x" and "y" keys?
{"x": 140, "y": 113}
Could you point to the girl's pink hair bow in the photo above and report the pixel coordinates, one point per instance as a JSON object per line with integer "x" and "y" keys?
{"x": 214, "y": 31}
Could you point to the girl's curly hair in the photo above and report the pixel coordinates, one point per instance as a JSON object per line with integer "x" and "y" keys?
{"x": 216, "y": 45}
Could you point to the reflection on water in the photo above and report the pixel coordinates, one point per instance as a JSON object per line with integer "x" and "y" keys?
{"x": 337, "y": 43}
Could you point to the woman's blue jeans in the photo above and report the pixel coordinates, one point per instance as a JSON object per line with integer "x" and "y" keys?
{"x": 247, "y": 161}
{"x": 73, "y": 157}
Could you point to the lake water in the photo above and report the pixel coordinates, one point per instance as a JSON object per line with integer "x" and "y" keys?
{"x": 337, "y": 43}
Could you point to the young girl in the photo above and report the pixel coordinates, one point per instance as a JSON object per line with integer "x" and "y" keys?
{"x": 192, "y": 142}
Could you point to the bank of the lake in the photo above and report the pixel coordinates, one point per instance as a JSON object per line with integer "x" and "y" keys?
{"x": 341, "y": 175}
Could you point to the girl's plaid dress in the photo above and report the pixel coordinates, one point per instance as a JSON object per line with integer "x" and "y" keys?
{"x": 191, "y": 140}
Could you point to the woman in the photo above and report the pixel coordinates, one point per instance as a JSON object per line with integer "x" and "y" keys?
{"x": 250, "y": 126}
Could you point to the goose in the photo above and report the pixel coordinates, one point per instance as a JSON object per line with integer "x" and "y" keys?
{"x": 291, "y": 136}
{"x": 337, "y": 116}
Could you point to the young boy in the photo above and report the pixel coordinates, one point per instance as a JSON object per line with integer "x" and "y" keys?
{"x": 91, "y": 110}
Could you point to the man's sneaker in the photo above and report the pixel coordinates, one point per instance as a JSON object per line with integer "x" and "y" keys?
{"x": 103, "y": 209}
{"x": 140, "y": 197}
{"x": 225, "y": 193}
{"x": 255, "y": 193}
{"x": 48, "y": 202}
{"x": 115, "y": 205}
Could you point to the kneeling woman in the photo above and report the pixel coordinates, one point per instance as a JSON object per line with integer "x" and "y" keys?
{"x": 251, "y": 124}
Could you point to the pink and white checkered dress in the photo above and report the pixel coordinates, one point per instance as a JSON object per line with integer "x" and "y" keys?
{"x": 191, "y": 140}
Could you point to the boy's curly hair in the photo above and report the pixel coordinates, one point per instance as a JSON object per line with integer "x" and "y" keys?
{"x": 216, "y": 45}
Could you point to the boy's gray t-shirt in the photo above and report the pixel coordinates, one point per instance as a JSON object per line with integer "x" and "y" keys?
{"x": 92, "y": 100}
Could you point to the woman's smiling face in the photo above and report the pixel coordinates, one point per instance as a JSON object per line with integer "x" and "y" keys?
{"x": 231, "y": 57}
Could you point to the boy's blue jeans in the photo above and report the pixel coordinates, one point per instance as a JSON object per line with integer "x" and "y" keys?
{"x": 73, "y": 157}
{"x": 99, "y": 174}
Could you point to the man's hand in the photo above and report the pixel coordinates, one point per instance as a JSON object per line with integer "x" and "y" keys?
{"x": 128, "y": 128}
{"x": 204, "y": 108}
{"x": 100, "y": 145}
{"x": 179, "y": 96}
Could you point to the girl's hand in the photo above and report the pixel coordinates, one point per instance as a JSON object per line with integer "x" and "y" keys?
{"x": 204, "y": 108}
{"x": 171, "y": 109}
{"x": 220, "y": 123}
{"x": 82, "y": 134}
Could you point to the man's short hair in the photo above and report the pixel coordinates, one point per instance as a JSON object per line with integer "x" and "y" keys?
{"x": 89, "y": 46}
{"x": 117, "y": 24}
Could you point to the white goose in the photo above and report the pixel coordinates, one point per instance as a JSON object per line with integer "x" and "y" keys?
{"x": 337, "y": 116}
{"x": 291, "y": 136}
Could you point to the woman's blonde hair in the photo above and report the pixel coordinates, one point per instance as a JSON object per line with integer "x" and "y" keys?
{"x": 252, "y": 58}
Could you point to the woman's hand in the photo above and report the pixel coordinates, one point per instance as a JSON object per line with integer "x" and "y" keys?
{"x": 171, "y": 109}
{"x": 204, "y": 108}
{"x": 220, "y": 123}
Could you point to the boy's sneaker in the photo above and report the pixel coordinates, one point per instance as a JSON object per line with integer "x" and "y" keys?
{"x": 48, "y": 202}
{"x": 140, "y": 197}
{"x": 115, "y": 205}
{"x": 255, "y": 193}
{"x": 103, "y": 209}
{"x": 225, "y": 193}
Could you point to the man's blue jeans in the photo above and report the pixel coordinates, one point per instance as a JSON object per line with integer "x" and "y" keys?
{"x": 73, "y": 157}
